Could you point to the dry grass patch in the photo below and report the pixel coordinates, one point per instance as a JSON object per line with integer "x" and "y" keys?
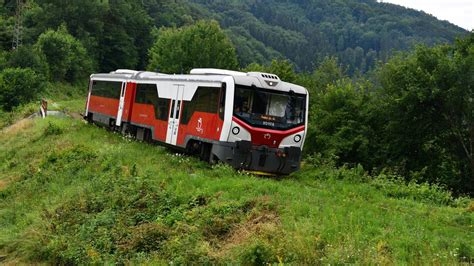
{"x": 256, "y": 225}
{"x": 3, "y": 184}
{"x": 17, "y": 127}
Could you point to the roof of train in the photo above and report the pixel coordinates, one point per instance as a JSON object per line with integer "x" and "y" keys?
{"x": 261, "y": 80}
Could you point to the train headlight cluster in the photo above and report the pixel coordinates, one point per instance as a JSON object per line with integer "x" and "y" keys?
{"x": 297, "y": 138}
{"x": 280, "y": 153}
{"x": 236, "y": 130}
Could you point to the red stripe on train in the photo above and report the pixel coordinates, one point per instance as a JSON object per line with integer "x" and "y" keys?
{"x": 264, "y": 136}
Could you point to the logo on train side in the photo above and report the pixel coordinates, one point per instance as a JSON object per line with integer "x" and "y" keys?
{"x": 199, "y": 126}
{"x": 267, "y": 136}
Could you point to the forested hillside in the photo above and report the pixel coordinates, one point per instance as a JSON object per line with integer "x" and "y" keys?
{"x": 358, "y": 32}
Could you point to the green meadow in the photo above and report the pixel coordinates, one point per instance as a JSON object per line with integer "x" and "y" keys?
{"x": 75, "y": 193}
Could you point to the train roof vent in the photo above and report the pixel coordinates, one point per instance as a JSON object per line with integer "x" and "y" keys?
{"x": 270, "y": 76}
{"x": 265, "y": 76}
{"x": 124, "y": 71}
{"x": 215, "y": 71}
{"x": 148, "y": 74}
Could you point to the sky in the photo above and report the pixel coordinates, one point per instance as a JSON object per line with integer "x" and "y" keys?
{"x": 458, "y": 12}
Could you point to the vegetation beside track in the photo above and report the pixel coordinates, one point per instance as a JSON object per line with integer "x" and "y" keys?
{"x": 71, "y": 192}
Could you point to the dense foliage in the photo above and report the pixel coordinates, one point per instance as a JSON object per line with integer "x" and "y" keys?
{"x": 415, "y": 120}
{"x": 428, "y": 114}
{"x": 66, "y": 57}
{"x": 18, "y": 86}
{"x": 357, "y": 32}
{"x": 200, "y": 45}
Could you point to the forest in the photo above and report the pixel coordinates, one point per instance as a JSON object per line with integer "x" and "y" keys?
{"x": 358, "y": 33}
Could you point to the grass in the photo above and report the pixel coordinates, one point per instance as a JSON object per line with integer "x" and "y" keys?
{"x": 73, "y": 193}
{"x": 60, "y": 97}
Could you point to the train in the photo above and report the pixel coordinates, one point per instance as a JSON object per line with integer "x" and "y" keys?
{"x": 252, "y": 121}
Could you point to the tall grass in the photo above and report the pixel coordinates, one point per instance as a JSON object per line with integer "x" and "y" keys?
{"x": 72, "y": 193}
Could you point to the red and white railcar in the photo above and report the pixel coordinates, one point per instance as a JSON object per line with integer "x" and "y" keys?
{"x": 252, "y": 121}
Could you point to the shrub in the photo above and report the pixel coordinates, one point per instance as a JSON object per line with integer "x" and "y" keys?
{"x": 19, "y": 86}
{"x": 52, "y": 129}
{"x": 26, "y": 57}
{"x": 66, "y": 56}
{"x": 258, "y": 253}
{"x": 397, "y": 187}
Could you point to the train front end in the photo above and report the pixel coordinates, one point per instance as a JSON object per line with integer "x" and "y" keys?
{"x": 268, "y": 125}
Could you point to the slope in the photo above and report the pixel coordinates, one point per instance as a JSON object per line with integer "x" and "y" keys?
{"x": 358, "y": 32}
{"x": 74, "y": 193}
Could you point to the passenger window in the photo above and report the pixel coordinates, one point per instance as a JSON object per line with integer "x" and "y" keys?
{"x": 148, "y": 94}
{"x": 107, "y": 89}
{"x": 206, "y": 100}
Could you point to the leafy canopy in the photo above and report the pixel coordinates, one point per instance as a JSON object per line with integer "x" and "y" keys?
{"x": 19, "y": 86}
{"x": 429, "y": 128}
{"x": 201, "y": 45}
{"x": 67, "y": 58}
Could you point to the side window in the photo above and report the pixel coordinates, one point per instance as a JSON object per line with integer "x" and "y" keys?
{"x": 162, "y": 108}
{"x": 148, "y": 94}
{"x": 204, "y": 100}
{"x": 107, "y": 89}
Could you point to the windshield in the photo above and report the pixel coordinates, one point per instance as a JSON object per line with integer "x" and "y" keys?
{"x": 269, "y": 109}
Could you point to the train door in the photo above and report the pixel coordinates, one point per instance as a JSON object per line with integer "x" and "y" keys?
{"x": 128, "y": 101}
{"x": 174, "y": 115}
{"x": 123, "y": 89}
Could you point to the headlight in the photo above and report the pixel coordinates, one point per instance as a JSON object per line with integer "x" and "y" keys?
{"x": 236, "y": 131}
{"x": 297, "y": 138}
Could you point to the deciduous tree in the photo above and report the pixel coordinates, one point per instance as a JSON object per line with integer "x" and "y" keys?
{"x": 201, "y": 45}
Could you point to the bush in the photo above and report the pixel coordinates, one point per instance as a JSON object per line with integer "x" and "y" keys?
{"x": 52, "y": 129}
{"x": 66, "y": 56}
{"x": 19, "y": 86}
{"x": 338, "y": 124}
{"x": 26, "y": 57}
{"x": 397, "y": 187}
{"x": 258, "y": 253}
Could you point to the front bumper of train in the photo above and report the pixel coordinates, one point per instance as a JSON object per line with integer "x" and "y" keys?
{"x": 259, "y": 159}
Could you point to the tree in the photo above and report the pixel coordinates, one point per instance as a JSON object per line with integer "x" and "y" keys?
{"x": 116, "y": 33}
{"x": 282, "y": 68}
{"x": 338, "y": 127}
{"x": 429, "y": 129}
{"x": 126, "y": 37}
{"x": 6, "y": 32}
{"x": 66, "y": 57}
{"x": 19, "y": 86}
{"x": 201, "y": 45}
{"x": 328, "y": 72}
{"x": 26, "y": 56}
